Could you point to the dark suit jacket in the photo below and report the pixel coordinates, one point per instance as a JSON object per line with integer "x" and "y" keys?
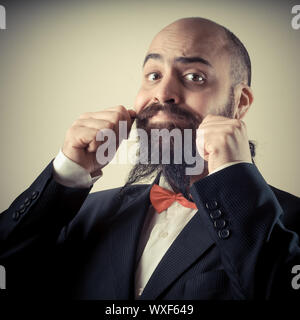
{"x": 64, "y": 242}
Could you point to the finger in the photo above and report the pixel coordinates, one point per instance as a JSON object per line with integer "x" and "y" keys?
{"x": 132, "y": 113}
{"x": 112, "y": 116}
{"x": 82, "y": 136}
{"x": 93, "y": 145}
{"x": 118, "y": 109}
{"x": 211, "y": 118}
{"x": 94, "y": 123}
{"x": 123, "y": 111}
{"x": 231, "y": 122}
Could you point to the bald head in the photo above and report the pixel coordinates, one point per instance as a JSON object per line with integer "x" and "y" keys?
{"x": 218, "y": 38}
{"x": 197, "y": 66}
{"x": 196, "y": 25}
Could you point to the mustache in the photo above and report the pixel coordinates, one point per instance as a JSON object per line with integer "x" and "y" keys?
{"x": 171, "y": 109}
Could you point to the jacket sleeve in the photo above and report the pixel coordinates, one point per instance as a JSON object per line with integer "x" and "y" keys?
{"x": 242, "y": 215}
{"x": 35, "y": 219}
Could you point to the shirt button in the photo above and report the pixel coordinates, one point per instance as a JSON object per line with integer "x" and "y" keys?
{"x": 163, "y": 234}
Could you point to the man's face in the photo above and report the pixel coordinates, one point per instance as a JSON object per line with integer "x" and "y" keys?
{"x": 187, "y": 64}
{"x": 186, "y": 76}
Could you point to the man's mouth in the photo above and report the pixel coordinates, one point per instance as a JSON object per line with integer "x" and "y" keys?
{"x": 160, "y": 116}
{"x": 168, "y": 116}
{"x": 166, "y": 119}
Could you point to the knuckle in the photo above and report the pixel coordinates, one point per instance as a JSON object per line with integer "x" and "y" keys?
{"x": 70, "y": 132}
{"x": 115, "y": 117}
{"x": 237, "y": 124}
{"x": 242, "y": 124}
{"x": 85, "y": 115}
{"x": 232, "y": 130}
{"x": 109, "y": 125}
{"x": 207, "y": 118}
{"x": 76, "y": 123}
{"x": 121, "y": 109}
{"x": 229, "y": 130}
{"x": 223, "y": 139}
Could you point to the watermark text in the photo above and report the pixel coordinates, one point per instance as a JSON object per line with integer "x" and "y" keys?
{"x": 296, "y": 278}
{"x": 296, "y": 19}
{"x": 2, "y": 278}
{"x": 2, "y": 18}
{"x": 158, "y": 141}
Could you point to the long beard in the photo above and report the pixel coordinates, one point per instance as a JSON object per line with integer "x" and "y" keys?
{"x": 175, "y": 174}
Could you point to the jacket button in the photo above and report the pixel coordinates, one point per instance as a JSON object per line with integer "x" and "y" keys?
{"x": 212, "y": 205}
{"x": 223, "y": 234}
{"x": 27, "y": 202}
{"x": 22, "y": 210}
{"x": 219, "y": 224}
{"x": 215, "y": 214}
{"x": 34, "y": 195}
{"x": 16, "y": 215}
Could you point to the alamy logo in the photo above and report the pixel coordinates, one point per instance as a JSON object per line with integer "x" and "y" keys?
{"x": 296, "y": 19}
{"x": 150, "y": 151}
{"x": 296, "y": 278}
{"x": 2, "y": 18}
{"x": 2, "y": 278}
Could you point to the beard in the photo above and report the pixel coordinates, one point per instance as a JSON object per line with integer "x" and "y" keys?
{"x": 178, "y": 118}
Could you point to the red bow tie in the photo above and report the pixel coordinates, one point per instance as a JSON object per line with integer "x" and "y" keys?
{"x": 162, "y": 199}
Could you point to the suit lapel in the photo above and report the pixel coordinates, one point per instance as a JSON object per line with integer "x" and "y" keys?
{"x": 124, "y": 238}
{"x": 191, "y": 243}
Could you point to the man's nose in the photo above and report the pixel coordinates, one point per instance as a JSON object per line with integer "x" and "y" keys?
{"x": 168, "y": 91}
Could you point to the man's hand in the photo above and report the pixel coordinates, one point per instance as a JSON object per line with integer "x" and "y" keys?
{"x": 80, "y": 143}
{"x": 225, "y": 140}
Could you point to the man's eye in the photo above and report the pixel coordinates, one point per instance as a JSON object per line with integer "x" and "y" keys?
{"x": 194, "y": 77}
{"x": 152, "y": 76}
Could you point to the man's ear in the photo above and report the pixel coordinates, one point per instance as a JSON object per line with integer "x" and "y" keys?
{"x": 243, "y": 100}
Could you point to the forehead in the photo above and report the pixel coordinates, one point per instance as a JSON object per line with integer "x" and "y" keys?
{"x": 191, "y": 39}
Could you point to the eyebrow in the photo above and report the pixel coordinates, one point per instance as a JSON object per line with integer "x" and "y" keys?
{"x": 184, "y": 60}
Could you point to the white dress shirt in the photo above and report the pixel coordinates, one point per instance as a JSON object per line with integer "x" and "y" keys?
{"x": 159, "y": 230}
{"x": 70, "y": 174}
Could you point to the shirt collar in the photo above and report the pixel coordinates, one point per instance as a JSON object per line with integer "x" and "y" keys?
{"x": 164, "y": 183}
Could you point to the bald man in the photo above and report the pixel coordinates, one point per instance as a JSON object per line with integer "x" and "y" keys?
{"x": 218, "y": 233}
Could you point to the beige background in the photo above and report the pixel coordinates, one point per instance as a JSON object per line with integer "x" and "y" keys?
{"x": 62, "y": 58}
